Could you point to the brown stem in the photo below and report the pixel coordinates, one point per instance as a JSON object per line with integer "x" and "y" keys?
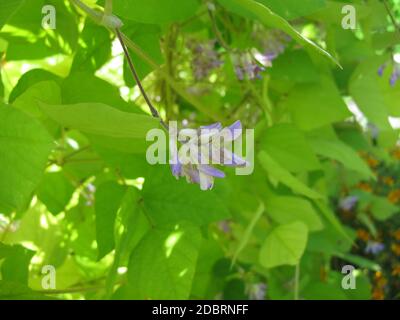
{"x": 153, "y": 110}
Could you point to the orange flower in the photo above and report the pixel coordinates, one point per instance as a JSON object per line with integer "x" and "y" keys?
{"x": 396, "y": 154}
{"x": 363, "y": 235}
{"x": 373, "y": 163}
{"x": 388, "y": 181}
{"x": 378, "y": 294}
{"x": 380, "y": 280}
{"x": 364, "y": 186}
{"x": 396, "y": 249}
{"x": 394, "y": 196}
{"x": 396, "y": 234}
{"x": 396, "y": 270}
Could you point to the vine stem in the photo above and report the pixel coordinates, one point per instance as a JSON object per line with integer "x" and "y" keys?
{"x": 392, "y": 18}
{"x": 296, "y": 282}
{"x": 153, "y": 110}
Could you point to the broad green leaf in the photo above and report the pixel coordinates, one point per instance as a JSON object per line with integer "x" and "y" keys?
{"x": 15, "y": 267}
{"x": 7, "y": 9}
{"x": 135, "y": 225}
{"x": 287, "y": 145}
{"x": 286, "y": 209}
{"x": 382, "y": 209}
{"x": 108, "y": 200}
{"x": 29, "y": 40}
{"x": 29, "y": 79}
{"x": 154, "y": 11}
{"x": 315, "y": 105}
{"x": 167, "y": 200}
{"x": 367, "y": 93}
{"x": 101, "y": 119}
{"x": 83, "y": 86}
{"x": 260, "y": 12}
{"x": 337, "y": 150}
{"x": 45, "y": 91}
{"x": 277, "y": 172}
{"x": 294, "y": 66}
{"x": 24, "y": 149}
{"x": 290, "y": 9}
{"x": 94, "y": 48}
{"x": 284, "y": 245}
{"x": 55, "y": 191}
{"x": 162, "y": 266}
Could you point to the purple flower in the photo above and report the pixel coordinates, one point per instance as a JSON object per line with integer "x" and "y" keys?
{"x": 257, "y": 291}
{"x": 246, "y": 66}
{"x": 395, "y": 76}
{"x": 374, "y": 247}
{"x": 381, "y": 70}
{"x": 348, "y": 203}
{"x": 205, "y": 58}
{"x": 203, "y": 147}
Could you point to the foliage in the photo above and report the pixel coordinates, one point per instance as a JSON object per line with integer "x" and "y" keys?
{"x": 77, "y": 193}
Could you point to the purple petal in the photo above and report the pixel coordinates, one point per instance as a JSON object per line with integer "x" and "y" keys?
{"x": 206, "y": 181}
{"x": 217, "y": 125}
{"x": 176, "y": 169}
{"x": 192, "y": 174}
{"x": 211, "y": 171}
{"x": 233, "y": 160}
{"x": 237, "y": 125}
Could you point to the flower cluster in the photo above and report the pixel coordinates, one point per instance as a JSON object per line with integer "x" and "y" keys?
{"x": 205, "y": 58}
{"x": 202, "y": 147}
{"x": 379, "y": 239}
{"x": 395, "y": 75}
{"x": 246, "y": 66}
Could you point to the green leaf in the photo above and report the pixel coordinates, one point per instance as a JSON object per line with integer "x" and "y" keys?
{"x": 29, "y": 79}
{"x": 163, "y": 264}
{"x": 147, "y": 37}
{"x": 288, "y": 146}
{"x": 55, "y": 191}
{"x": 382, "y": 209}
{"x": 290, "y": 9}
{"x": 367, "y": 93}
{"x": 24, "y": 149}
{"x": 94, "y": 48}
{"x": 286, "y": 209}
{"x": 83, "y": 86}
{"x": 15, "y": 267}
{"x": 167, "y": 200}
{"x": 7, "y": 9}
{"x": 255, "y": 10}
{"x": 101, "y": 119}
{"x": 154, "y": 11}
{"x": 315, "y": 105}
{"x": 284, "y": 245}
{"x": 108, "y": 200}
{"x": 339, "y": 151}
{"x": 275, "y": 170}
